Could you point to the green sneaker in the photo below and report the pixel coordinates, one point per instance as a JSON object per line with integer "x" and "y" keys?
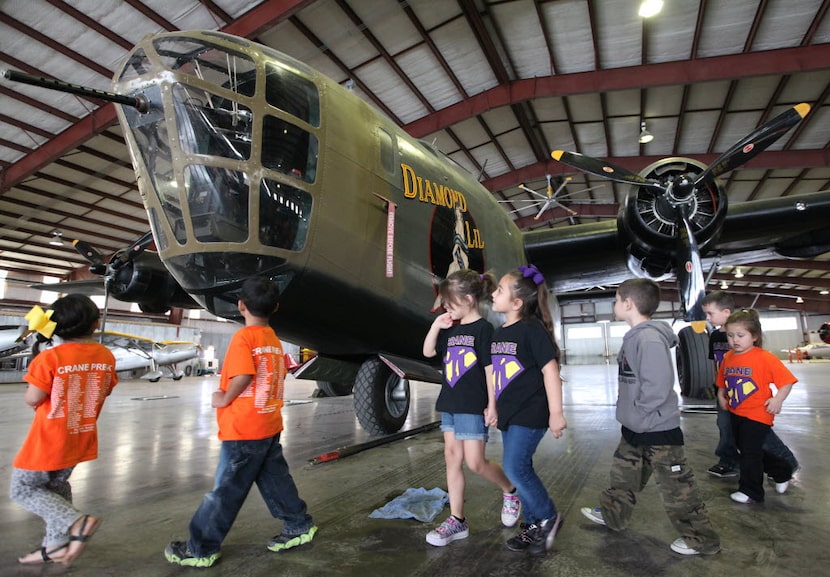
{"x": 177, "y": 552}
{"x": 284, "y": 541}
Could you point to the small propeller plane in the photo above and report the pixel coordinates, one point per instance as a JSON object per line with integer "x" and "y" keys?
{"x": 250, "y": 162}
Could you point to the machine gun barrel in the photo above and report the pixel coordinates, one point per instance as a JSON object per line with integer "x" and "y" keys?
{"x": 138, "y": 102}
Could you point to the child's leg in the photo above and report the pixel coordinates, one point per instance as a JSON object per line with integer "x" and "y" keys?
{"x": 31, "y": 490}
{"x": 750, "y": 436}
{"x": 681, "y": 498}
{"x": 454, "y": 457}
{"x": 519, "y": 445}
{"x": 628, "y": 476}
{"x": 777, "y": 449}
{"x": 478, "y": 464}
{"x": 278, "y": 490}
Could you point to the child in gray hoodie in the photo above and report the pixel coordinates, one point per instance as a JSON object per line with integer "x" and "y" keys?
{"x": 652, "y": 441}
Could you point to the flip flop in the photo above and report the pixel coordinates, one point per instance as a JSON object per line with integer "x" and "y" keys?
{"x": 43, "y": 555}
{"x": 78, "y": 540}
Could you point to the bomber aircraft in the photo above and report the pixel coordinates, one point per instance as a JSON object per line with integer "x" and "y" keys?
{"x": 249, "y": 162}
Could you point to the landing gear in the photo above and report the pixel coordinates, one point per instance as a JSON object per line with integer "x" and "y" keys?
{"x": 381, "y": 398}
{"x": 695, "y": 370}
{"x": 330, "y": 389}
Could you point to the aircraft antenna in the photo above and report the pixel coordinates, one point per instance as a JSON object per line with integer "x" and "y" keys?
{"x": 139, "y": 102}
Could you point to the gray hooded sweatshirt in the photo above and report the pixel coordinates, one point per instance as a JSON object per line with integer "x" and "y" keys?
{"x": 646, "y": 400}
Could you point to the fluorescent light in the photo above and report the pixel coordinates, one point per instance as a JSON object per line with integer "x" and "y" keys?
{"x": 650, "y": 7}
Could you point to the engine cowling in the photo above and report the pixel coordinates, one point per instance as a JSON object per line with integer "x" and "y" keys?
{"x": 145, "y": 281}
{"x": 648, "y": 222}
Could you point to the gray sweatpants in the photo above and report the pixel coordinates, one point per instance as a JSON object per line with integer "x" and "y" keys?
{"x": 48, "y": 495}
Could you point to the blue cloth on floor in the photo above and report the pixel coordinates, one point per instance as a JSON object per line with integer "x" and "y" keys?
{"x": 421, "y": 504}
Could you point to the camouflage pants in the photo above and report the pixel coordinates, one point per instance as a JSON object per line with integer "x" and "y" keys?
{"x": 630, "y": 472}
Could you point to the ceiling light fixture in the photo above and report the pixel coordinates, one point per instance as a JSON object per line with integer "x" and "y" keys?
{"x": 645, "y": 135}
{"x": 723, "y": 285}
{"x": 56, "y": 238}
{"x": 799, "y": 301}
{"x": 739, "y": 273}
{"x": 650, "y": 7}
{"x": 824, "y": 292}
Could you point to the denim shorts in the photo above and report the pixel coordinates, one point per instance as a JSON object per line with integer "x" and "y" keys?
{"x": 465, "y": 427}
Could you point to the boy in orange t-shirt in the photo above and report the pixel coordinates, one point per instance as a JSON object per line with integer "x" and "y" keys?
{"x": 248, "y": 405}
{"x": 67, "y": 388}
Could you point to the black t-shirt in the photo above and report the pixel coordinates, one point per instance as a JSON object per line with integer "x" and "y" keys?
{"x": 465, "y": 352}
{"x": 718, "y": 346}
{"x": 519, "y": 352}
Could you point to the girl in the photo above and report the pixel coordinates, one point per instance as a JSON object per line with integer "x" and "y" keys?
{"x": 744, "y": 380}
{"x": 528, "y": 394}
{"x": 462, "y": 338}
{"x": 67, "y": 388}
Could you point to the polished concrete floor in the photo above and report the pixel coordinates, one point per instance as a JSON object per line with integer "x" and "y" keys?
{"x": 159, "y": 450}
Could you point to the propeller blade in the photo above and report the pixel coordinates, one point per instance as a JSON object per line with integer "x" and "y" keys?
{"x": 603, "y": 169}
{"x": 88, "y": 252}
{"x": 135, "y": 249}
{"x": 755, "y": 143}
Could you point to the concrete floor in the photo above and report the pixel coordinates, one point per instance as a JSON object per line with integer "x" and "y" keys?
{"x": 158, "y": 457}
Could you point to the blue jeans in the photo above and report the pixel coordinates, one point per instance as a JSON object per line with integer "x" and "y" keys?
{"x": 727, "y": 451}
{"x": 519, "y": 445}
{"x": 241, "y": 464}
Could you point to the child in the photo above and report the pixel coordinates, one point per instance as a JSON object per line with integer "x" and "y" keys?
{"x": 652, "y": 440}
{"x": 248, "y": 405}
{"x": 718, "y": 306}
{"x": 528, "y": 394}
{"x": 67, "y": 388}
{"x": 462, "y": 338}
{"x": 744, "y": 383}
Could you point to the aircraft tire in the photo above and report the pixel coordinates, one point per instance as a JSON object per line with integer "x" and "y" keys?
{"x": 381, "y": 398}
{"x": 695, "y": 370}
{"x": 188, "y": 370}
{"x": 331, "y": 389}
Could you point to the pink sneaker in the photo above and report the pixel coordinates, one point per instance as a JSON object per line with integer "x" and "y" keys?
{"x": 447, "y": 532}
{"x": 511, "y": 508}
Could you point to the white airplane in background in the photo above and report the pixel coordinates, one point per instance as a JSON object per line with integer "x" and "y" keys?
{"x": 131, "y": 352}
{"x": 812, "y": 350}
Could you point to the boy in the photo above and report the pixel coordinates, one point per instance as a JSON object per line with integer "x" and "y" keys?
{"x": 652, "y": 441}
{"x": 718, "y": 305}
{"x": 248, "y": 405}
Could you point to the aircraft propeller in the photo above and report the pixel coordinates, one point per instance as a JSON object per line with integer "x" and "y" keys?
{"x": 675, "y": 196}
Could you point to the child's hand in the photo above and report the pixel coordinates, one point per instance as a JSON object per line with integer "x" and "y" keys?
{"x": 491, "y": 417}
{"x": 443, "y": 321}
{"x": 217, "y": 400}
{"x": 774, "y": 405}
{"x": 557, "y": 424}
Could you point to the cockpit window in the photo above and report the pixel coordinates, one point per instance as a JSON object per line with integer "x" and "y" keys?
{"x": 289, "y": 149}
{"x": 217, "y": 199}
{"x": 210, "y": 124}
{"x": 136, "y": 65}
{"x": 219, "y": 66}
{"x": 283, "y": 215}
{"x": 292, "y": 94}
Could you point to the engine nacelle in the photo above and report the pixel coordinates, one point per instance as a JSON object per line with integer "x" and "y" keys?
{"x": 648, "y": 222}
{"x": 145, "y": 281}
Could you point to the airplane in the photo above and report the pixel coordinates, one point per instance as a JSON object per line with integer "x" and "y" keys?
{"x": 249, "y": 162}
{"x": 10, "y": 343}
{"x": 815, "y": 350}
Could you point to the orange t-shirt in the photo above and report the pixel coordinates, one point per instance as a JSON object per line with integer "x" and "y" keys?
{"x": 256, "y": 413}
{"x": 747, "y": 378}
{"x": 77, "y": 377}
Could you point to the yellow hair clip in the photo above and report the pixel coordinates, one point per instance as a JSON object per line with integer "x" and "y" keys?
{"x": 39, "y": 321}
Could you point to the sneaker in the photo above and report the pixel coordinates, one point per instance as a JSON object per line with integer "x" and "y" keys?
{"x": 722, "y": 471}
{"x": 781, "y": 488}
{"x": 450, "y": 530}
{"x": 530, "y": 535}
{"x": 740, "y": 497}
{"x": 594, "y": 514}
{"x": 679, "y": 546}
{"x": 285, "y": 541}
{"x": 177, "y": 552}
{"x": 511, "y": 508}
{"x": 549, "y": 528}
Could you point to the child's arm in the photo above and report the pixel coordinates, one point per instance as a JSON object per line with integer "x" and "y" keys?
{"x": 443, "y": 321}
{"x": 34, "y": 396}
{"x": 553, "y": 388}
{"x": 236, "y": 385}
{"x": 491, "y": 416}
{"x": 774, "y": 404}
{"x": 722, "y": 397}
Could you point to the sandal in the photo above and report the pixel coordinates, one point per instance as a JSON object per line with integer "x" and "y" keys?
{"x": 78, "y": 540}
{"x": 43, "y": 555}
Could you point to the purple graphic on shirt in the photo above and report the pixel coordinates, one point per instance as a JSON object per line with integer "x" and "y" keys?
{"x": 739, "y": 388}
{"x": 505, "y": 370}
{"x": 457, "y": 362}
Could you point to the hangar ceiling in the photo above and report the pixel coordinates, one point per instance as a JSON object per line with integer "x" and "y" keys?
{"x": 496, "y": 84}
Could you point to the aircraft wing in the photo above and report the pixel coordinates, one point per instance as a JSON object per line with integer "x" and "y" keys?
{"x": 597, "y": 254}
{"x": 87, "y": 287}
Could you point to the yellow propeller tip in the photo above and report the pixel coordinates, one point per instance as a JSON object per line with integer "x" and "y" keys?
{"x": 802, "y": 109}
{"x": 699, "y": 326}
{"x": 557, "y": 154}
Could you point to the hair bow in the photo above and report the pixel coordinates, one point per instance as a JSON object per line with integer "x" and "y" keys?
{"x": 39, "y": 322}
{"x": 533, "y": 273}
